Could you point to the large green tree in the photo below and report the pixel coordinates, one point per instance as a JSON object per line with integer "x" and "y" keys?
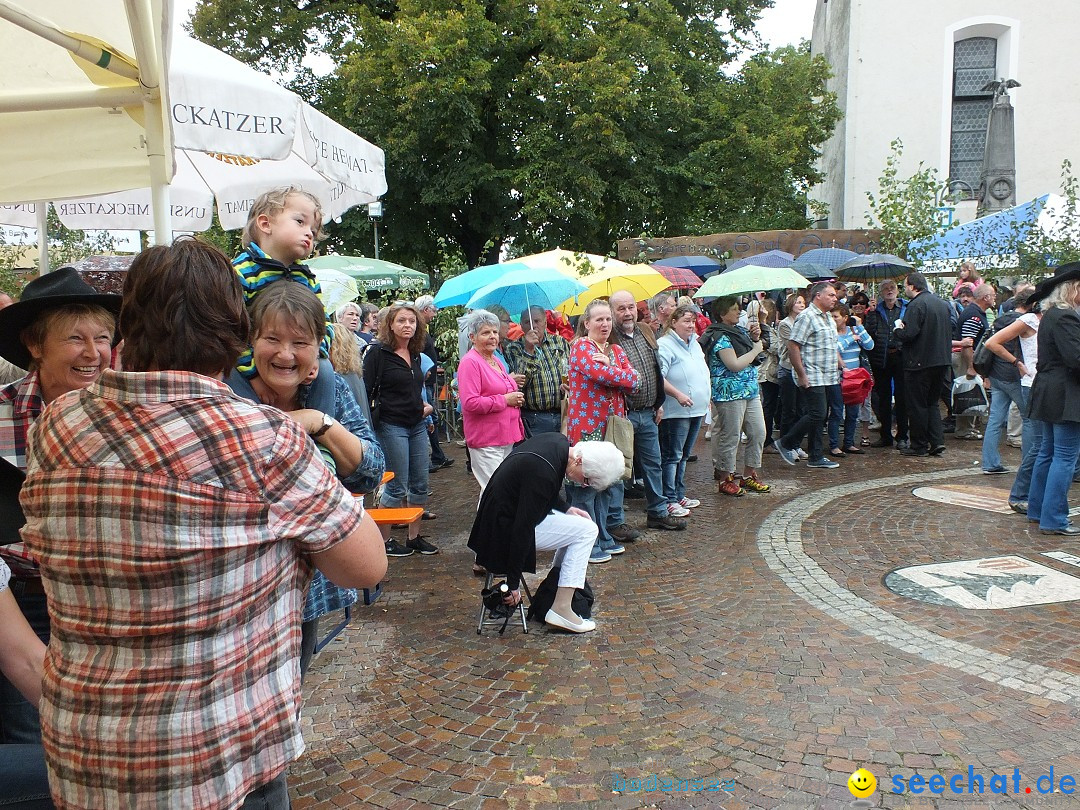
{"x": 553, "y": 122}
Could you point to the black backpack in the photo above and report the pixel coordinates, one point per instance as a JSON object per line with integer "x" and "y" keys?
{"x": 988, "y": 364}
{"x": 544, "y": 597}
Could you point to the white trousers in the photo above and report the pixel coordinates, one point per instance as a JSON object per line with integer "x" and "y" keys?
{"x": 484, "y": 462}
{"x": 572, "y": 537}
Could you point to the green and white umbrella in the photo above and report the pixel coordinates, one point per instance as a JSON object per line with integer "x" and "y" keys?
{"x": 751, "y": 278}
{"x": 373, "y": 274}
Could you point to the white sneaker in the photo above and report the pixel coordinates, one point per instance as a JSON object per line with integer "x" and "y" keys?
{"x": 708, "y": 435}
{"x": 675, "y": 510}
{"x": 689, "y": 503}
{"x": 744, "y": 438}
{"x": 802, "y": 454}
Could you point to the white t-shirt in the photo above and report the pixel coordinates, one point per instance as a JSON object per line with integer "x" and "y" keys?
{"x": 5, "y": 575}
{"x": 1029, "y": 346}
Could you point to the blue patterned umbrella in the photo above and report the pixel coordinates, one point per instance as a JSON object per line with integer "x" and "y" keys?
{"x": 520, "y": 286}
{"x": 699, "y": 264}
{"x": 770, "y": 258}
{"x": 821, "y": 263}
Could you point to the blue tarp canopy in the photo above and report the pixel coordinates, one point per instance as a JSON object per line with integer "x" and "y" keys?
{"x": 985, "y": 236}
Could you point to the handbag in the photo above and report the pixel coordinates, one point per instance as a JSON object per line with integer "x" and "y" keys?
{"x": 620, "y": 432}
{"x": 855, "y": 385}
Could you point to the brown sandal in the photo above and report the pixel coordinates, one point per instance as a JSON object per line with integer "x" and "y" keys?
{"x": 729, "y": 486}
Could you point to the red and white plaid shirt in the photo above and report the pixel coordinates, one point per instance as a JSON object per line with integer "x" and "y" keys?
{"x": 172, "y": 521}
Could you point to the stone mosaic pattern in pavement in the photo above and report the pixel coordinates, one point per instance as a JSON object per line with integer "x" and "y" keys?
{"x": 760, "y": 649}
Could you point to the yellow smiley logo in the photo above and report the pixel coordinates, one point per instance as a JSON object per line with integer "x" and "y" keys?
{"x": 861, "y": 783}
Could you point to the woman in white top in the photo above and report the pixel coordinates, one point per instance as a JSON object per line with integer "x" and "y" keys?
{"x": 686, "y": 383}
{"x": 1026, "y": 329}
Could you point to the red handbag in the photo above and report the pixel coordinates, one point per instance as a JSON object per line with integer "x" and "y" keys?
{"x": 855, "y": 385}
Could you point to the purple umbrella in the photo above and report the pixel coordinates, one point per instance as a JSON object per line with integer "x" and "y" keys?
{"x": 699, "y": 264}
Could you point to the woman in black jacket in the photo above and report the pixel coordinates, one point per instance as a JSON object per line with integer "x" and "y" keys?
{"x": 1055, "y": 401}
{"x": 523, "y": 510}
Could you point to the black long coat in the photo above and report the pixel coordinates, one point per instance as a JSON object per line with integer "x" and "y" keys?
{"x": 1055, "y": 393}
{"x": 524, "y": 489}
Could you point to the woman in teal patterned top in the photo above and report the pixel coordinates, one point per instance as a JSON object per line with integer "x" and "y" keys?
{"x": 735, "y": 393}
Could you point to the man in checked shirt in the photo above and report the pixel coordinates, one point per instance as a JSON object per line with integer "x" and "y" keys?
{"x": 543, "y": 359}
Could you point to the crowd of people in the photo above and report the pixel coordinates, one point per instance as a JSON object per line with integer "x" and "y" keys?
{"x": 188, "y": 496}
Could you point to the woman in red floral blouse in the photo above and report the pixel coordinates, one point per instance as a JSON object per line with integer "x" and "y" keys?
{"x": 600, "y": 374}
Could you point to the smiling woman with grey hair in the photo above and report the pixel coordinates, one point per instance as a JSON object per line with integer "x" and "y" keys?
{"x": 490, "y": 399}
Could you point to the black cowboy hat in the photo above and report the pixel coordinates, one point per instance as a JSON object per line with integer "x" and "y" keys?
{"x": 59, "y": 288}
{"x": 1066, "y": 272}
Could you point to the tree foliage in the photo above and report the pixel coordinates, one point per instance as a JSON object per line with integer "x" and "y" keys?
{"x": 558, "y": 122}
{"x": 65, "y": 247}
{"x": 906, "y": 209}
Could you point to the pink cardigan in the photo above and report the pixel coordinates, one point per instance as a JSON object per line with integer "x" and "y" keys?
{"x": 489, "y": 421}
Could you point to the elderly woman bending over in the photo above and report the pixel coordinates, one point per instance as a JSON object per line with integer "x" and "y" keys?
{"x": 523, "y": 511}
{"x": 490, "y": 399}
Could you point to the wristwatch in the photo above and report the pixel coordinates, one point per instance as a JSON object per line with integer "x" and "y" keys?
{"x": 327, "y": 423}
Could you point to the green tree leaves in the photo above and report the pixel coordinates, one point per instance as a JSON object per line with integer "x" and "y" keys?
{"x": 552, "y": 123}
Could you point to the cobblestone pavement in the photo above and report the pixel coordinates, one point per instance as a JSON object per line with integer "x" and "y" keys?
{"x": 760, "y": 649}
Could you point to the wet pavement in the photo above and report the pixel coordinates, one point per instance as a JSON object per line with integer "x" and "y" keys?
{"x": 753, "y": 661}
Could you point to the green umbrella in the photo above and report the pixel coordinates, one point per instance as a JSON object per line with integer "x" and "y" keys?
{"x": 751, "y": 278}
{"x": 373, "y": 274}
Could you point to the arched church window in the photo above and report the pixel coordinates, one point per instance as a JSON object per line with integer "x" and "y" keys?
{"x": 974, "y": 64}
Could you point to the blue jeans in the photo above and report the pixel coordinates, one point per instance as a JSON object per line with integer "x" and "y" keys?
{"x": 647, "y": 464}
{"x": 1003, "y": 394}
{"x": 839, "y": 412}
{"x": 1031, "y": 436}
{"x": 274, "y": 795}
{"x": 19, "y": 720}
{"x": 407, "y": 457}
{"x": 24, "y": 783}
{"x": 1048, "y": 496}
{"x": 537, "y": 422}
{"x": 677, "y": 437}
{"x": 598, "y": 505}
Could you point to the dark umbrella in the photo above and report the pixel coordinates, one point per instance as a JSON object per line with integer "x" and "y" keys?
{"x": 770, "y": 258}
{"x": 821, "y": 263}
{"x": 699, "y": 264}
{"x": 873, "y": 267}
{"x": 679, "y": 277}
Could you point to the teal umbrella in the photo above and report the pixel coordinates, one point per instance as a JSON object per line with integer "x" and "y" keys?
{"x": 520, "y": 287}
{"x": 751, "y": 278}
{"x": 373, "y": 274}
{"x": 459, "y": 289}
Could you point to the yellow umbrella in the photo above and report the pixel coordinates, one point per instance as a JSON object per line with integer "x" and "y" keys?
{"x": 638, "y": 279}
{"x": 571, "y": 262}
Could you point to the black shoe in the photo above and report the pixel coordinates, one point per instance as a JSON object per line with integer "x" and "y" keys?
{"x": 1069, "y": 531}
{"x": 447, "y": 462}
{"x": 902, "y": 444}
{"x": 911, "y": 451}
{"x": 624, "y": 534}
{"x": 691, "y": 458}
{"x": 665, "y": 522}
{"x": 422, "y": 545}
{"x": 939, "y": 450}
{"x": 882, "y": 443}
{"x": 635, "y": 492}
{"x": 395, "y": 549}
{"x": 948, "y": 426}
{"x": 429, "y": 515}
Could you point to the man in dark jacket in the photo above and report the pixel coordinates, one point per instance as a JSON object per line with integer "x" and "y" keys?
{"x": 887, "y": 364}
{"x": 523, "y": 510}
{"x": 926, "y": 334}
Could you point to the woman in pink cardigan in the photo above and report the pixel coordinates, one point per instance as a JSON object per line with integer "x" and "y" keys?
{"x": 490, "y": 399}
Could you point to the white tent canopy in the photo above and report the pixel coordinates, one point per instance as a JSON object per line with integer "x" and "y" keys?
{"x": 83, "y": 98}
{"x": 236, "y": 133}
